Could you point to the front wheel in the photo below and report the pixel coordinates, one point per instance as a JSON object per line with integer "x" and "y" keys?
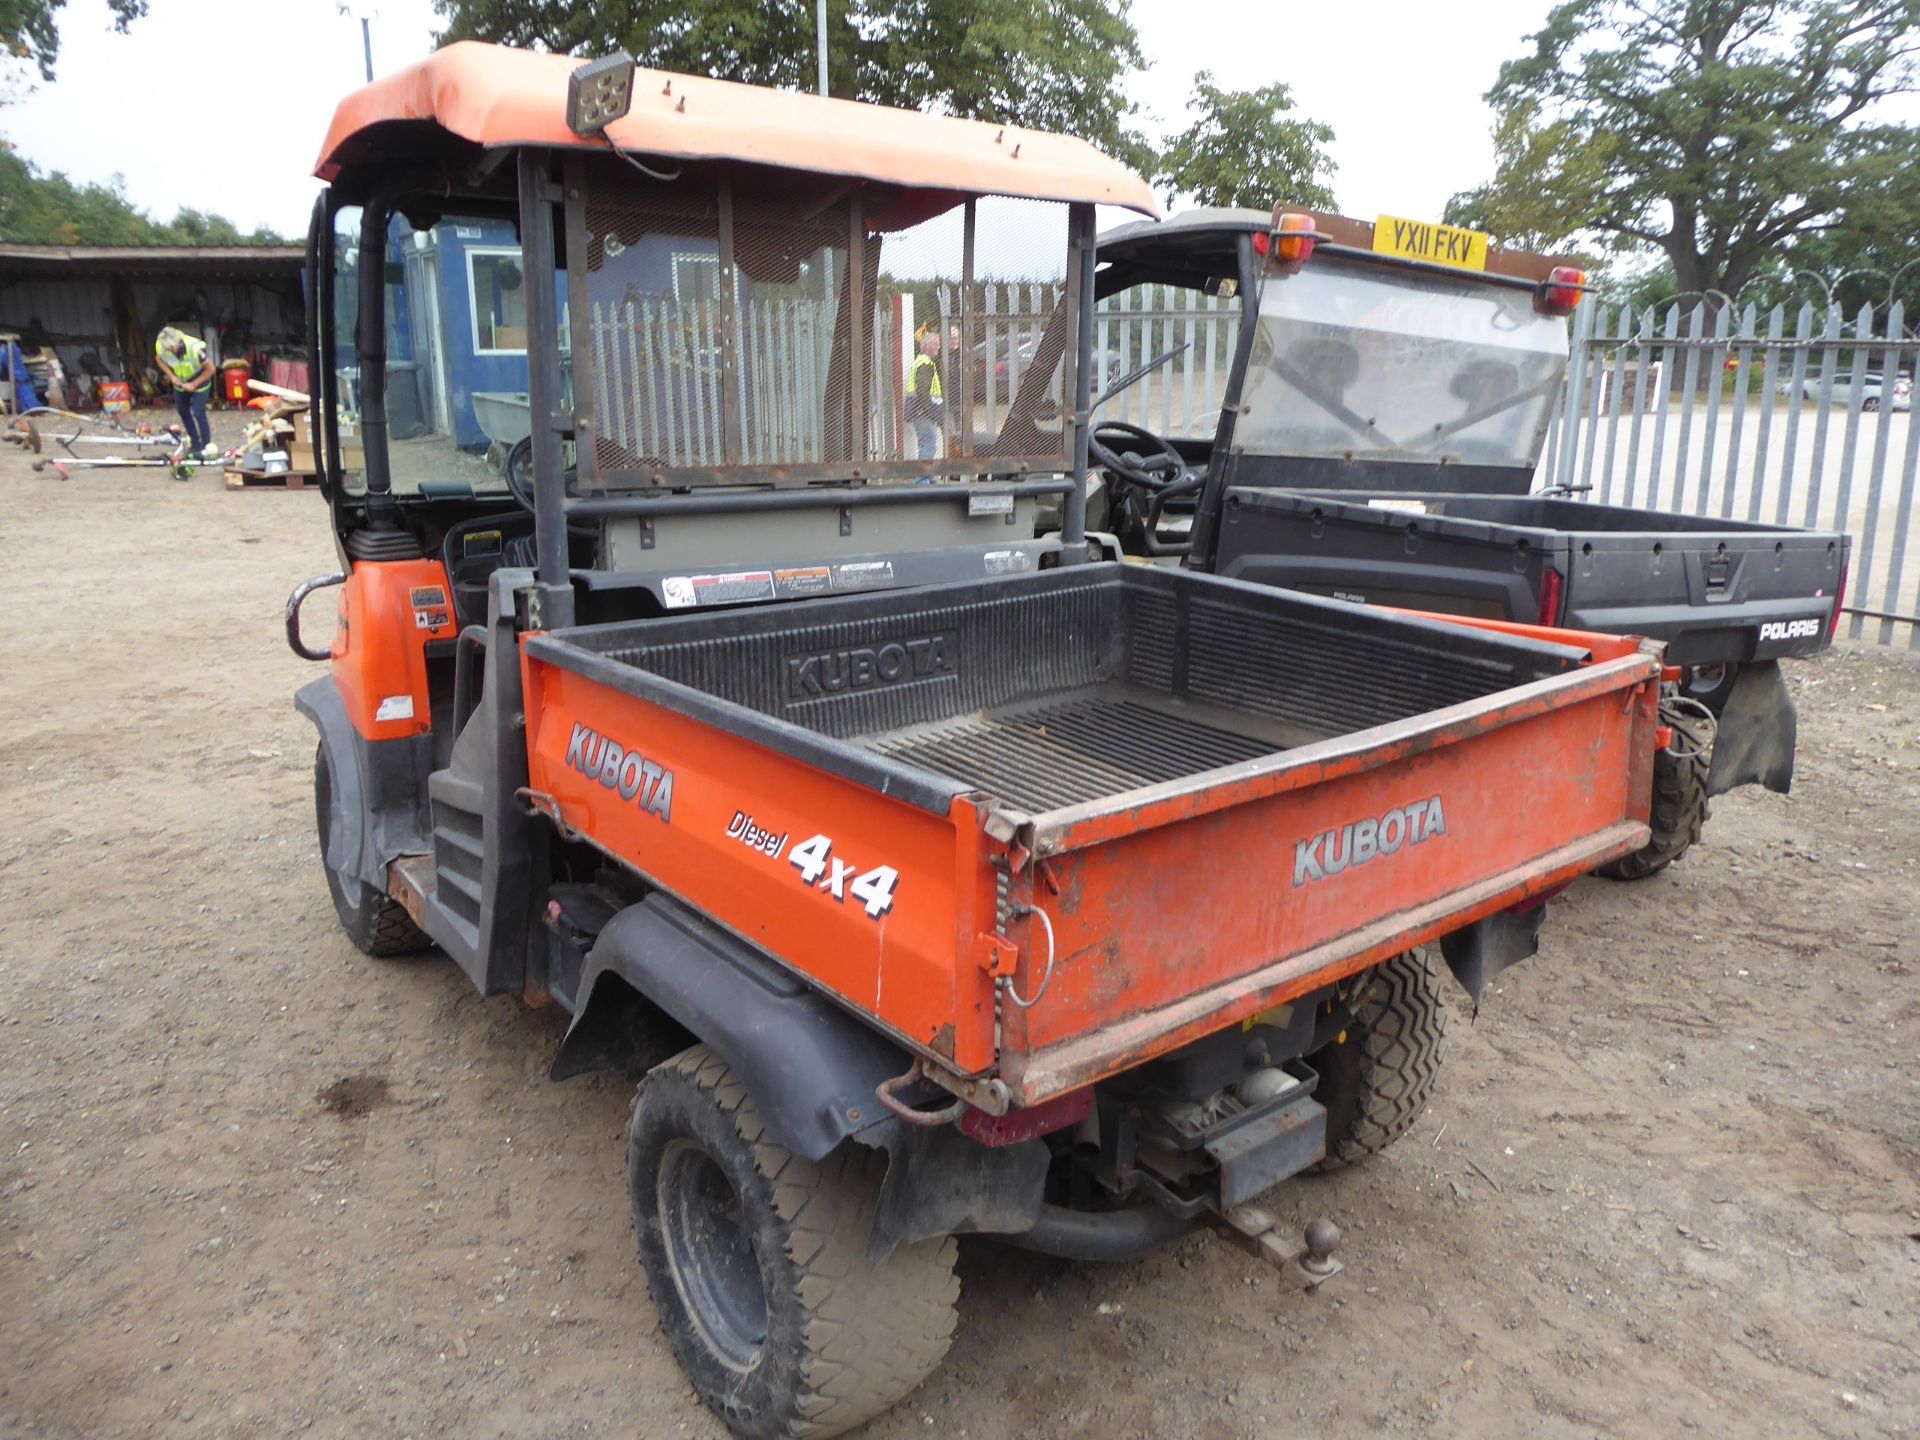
{"x": 373, "y": 920}
{"x": 757, "y": 1262}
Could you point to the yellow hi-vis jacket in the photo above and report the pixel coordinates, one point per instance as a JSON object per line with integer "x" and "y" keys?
{"x": 187, "y": 365}
{"x": 925, "y": 407}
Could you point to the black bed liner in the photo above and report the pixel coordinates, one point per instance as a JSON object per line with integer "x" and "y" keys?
{"x": 1051, "y": 689}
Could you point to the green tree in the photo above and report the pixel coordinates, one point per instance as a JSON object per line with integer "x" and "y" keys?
{"x": 1716, "y": 131}
{"x": 1244, "y": 148}
{"x": 38, "y": 209}
{"x": 1866, "y": 259}
{"x": 29, "y": 32}
{"x": 1053, "y": 66}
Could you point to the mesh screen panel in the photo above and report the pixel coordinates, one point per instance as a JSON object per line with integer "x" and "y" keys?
{"x": 737, "y": 325}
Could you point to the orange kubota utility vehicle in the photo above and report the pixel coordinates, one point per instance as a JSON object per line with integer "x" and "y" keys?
{"x": 941, "y": 877}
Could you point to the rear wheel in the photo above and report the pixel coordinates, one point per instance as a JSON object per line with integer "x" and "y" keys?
{"x": 757, "y": 1263}
{"x": 373, "y": 920}
{"x": 1376, "y": 1078}
{"x": 1679, "y": 810}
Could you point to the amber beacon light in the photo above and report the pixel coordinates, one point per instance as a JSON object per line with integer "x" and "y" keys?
{"x": 1560, "y": 292}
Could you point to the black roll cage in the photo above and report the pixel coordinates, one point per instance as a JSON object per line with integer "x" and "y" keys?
{"x": 540, "y": 206}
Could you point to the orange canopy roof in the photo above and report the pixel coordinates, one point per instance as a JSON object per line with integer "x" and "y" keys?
{"x": 492, "y": 95}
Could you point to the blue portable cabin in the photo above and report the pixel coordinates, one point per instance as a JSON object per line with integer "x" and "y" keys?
{"x": 464, "y": 332}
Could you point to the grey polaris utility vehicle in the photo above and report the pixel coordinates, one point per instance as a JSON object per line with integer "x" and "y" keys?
{"x": 1374, "y": 438}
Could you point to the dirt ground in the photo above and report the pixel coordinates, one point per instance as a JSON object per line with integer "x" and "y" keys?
{"x": 252, "y": 1183}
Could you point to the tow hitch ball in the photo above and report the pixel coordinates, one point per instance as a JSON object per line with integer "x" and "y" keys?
{"x": 1257, "y": 1231}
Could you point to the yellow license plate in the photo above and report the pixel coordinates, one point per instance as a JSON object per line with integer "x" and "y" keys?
{"x": 1435, "y": 244}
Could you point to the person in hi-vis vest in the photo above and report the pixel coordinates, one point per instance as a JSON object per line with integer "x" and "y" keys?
{"x": 926, "y": 403}
{"x": 184, "y": 361}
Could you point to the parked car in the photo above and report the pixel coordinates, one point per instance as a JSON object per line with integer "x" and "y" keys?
{"x": 1874, "y": 385}
{"x": 1011, "y": 360}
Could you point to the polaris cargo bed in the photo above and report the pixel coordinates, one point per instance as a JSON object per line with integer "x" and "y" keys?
{"x": 1714, "y": 589}
{"x": 1216, "y": 793}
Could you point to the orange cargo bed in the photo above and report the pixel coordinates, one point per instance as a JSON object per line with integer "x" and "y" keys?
{"x": 1160, "y": 801}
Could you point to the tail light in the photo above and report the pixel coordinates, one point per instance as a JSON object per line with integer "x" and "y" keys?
{"x": 1839, "y": 599}
{"x": 1552, "y": 590}
{"x": 1293, "y": 238}
{"x": 1560, "y": 292}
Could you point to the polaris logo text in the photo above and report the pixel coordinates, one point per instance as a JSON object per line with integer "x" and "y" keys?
{"x": 1789, "y": 630}
{"x": 833, "y": 672}
{"x": 627, "y": 772}
{"x": 1332, "y": 851}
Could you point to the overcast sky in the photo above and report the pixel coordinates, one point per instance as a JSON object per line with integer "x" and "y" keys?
{"x": 1400, "y": 83}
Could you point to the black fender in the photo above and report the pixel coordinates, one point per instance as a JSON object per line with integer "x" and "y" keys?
{"x": 810, "y": 1067}
{"x": 1754, "y": 741}
{"x": 659, "y": 976}
{"x": 379, "y": 788}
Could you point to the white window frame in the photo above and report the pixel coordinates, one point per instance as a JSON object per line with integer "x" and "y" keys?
{"x": 700, "y": 257}
{"x": 473, "y": 294}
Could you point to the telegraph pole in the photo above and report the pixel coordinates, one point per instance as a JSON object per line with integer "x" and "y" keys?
{"x": 820, "y": 25}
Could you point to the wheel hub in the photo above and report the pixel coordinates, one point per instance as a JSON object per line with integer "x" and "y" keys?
{"x": 711, "y": 1253}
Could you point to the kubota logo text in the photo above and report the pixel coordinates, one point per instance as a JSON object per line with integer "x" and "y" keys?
{"x": 627, "y": 772}
{"x": 1332, "y": 851}
{"x": 831, "y": 672}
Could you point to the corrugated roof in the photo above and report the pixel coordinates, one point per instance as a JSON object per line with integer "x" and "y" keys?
{"x": 137, "y": 259}
{"x": 491, "y": 95}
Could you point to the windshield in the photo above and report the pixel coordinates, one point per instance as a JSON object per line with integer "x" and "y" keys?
{"x": 1356, "y": 361}
{"x": 456, "y": 382}
{"x": 1180, "y": 399}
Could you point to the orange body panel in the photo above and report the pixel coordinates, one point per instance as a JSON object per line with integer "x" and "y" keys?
{"x": 389, "y": 611}
{"x": 1174, "y": 917}
{"x": 1176, "y": 909}
{"x": 1602, "y": 645}
{"x": 911, "y": 967}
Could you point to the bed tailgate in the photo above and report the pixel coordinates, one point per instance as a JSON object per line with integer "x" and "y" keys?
{"x": 1180, "y": 909}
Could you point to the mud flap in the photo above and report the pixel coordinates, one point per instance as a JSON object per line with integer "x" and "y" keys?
{"x": 1486, "y": 947}
{"x": 1755, "y": 739}
{"x": 943, "y": 1182}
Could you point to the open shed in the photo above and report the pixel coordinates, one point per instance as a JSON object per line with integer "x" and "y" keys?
{"x": 99, "y": 306}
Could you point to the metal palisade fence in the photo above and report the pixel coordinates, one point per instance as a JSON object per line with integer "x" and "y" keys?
{"x": 1787, "y": 417}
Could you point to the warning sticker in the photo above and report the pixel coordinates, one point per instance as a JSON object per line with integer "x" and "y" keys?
{"x": 737, "y": 587}
{"x": 808, "y": 580}
{"x": 1007, "y": 562}
{"x": 429, "y": 607}
{"x": 863, "y": 575}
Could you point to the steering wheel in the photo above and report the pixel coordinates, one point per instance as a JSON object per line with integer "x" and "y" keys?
{"x": 1137, "y": 456}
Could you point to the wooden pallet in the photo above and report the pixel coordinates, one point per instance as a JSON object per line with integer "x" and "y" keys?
{"x": 288, "y": 480}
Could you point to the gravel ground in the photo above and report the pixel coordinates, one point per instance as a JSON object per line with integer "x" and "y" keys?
{"x": 252, "y": 1183}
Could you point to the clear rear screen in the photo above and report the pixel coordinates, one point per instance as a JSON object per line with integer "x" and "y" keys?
{"x": 1360, "y": 362}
